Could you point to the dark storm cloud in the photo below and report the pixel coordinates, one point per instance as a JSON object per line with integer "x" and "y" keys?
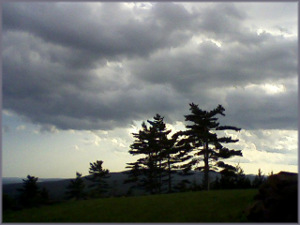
{"x": 109, "y": 31}
{"x": 77, "y": 99}
{"x": 99, "y": 66}
{"x": 254, "y": 109}
{"x": 207, "y": 63}
{"x": 173, "y": 17}
{"x": 225, "y": 19}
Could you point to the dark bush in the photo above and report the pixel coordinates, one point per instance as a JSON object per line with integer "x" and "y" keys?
{"x": 277, "y": 200}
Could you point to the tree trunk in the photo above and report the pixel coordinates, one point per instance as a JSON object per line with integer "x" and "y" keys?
{"x": 169, "y": 168}
{"x": 160, "y": 177}
{"x": 206, "y": 167}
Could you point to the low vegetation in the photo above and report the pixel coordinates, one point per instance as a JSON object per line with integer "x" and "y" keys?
{"x": 201, "y": 206}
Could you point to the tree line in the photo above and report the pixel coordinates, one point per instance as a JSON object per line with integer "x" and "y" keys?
{"x": 197, "y": 148}
{"x": 31, "y": 195}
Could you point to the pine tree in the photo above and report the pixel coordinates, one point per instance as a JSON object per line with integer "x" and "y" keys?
{"x": 76, "y": 188}
{"x": 242, "y": 182}
{"x": 167, "y": 152}
{"x": 144, "y": 172}
{"x": 30, "y": 192}
{"x": 182, "y": 150}
{"x": 228, "y": 177}
{"x": 234, "y": 178}
{"x": 156, "y": 166}
{"x": 98, "y": 176}
{"x": 171, "y": 158}
{"x": 258, "y": 180}
{"x": 205, "y": 145}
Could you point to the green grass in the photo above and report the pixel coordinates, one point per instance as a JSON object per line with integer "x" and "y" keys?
{"x": 203, "y": 206}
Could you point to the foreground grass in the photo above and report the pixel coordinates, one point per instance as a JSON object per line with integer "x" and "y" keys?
{"x": 203, "y": 206}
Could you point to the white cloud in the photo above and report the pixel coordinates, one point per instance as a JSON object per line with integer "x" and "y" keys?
{"x": 8, "y": 112}
{"x": 48, "y": 128}
{"x": 268, "y": 88}
{"x": 76, "y": 147}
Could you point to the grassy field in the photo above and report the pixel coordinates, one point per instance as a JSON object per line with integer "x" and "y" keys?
{"x": 203, "y": 206}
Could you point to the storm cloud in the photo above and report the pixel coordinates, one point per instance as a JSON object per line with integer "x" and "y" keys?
{"x": 98, "y": 66}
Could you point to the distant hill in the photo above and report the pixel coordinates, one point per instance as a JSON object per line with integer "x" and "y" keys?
{"x": 57, "y": 186}
{"x": 15, "y": 180}
{"x": 11, "y": 180}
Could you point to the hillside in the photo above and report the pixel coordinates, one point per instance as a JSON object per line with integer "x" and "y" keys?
{"x": 202, "y": 206}
{"x": 57, "y": 187}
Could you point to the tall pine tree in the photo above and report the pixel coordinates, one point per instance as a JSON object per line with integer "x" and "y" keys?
{"x": 143, "y": 171}
{"x": 155, "y": 167}
{"x": 167, "y": 155}
{"x": 206, "y": 146}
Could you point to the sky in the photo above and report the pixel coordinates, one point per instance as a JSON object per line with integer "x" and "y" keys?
{"x": 80, "y": 78}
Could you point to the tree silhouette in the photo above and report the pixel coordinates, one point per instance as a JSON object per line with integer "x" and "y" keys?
{"x": 259, "y": 179}
{"x": 29, "y": 192}
{"x": 171, "y": 158}
{"x": 156, "y": 166}
{"x": 98, "y": 176}
{"x": 228, "y": 177}
{"x": 205, "y": 145}
{"x": 76, "y": 188}
{"x": 166, "y": 151}
{"x": 234, "y": 178}
{"x": 242, "y": 182}
{"x": 144, "y": 172}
